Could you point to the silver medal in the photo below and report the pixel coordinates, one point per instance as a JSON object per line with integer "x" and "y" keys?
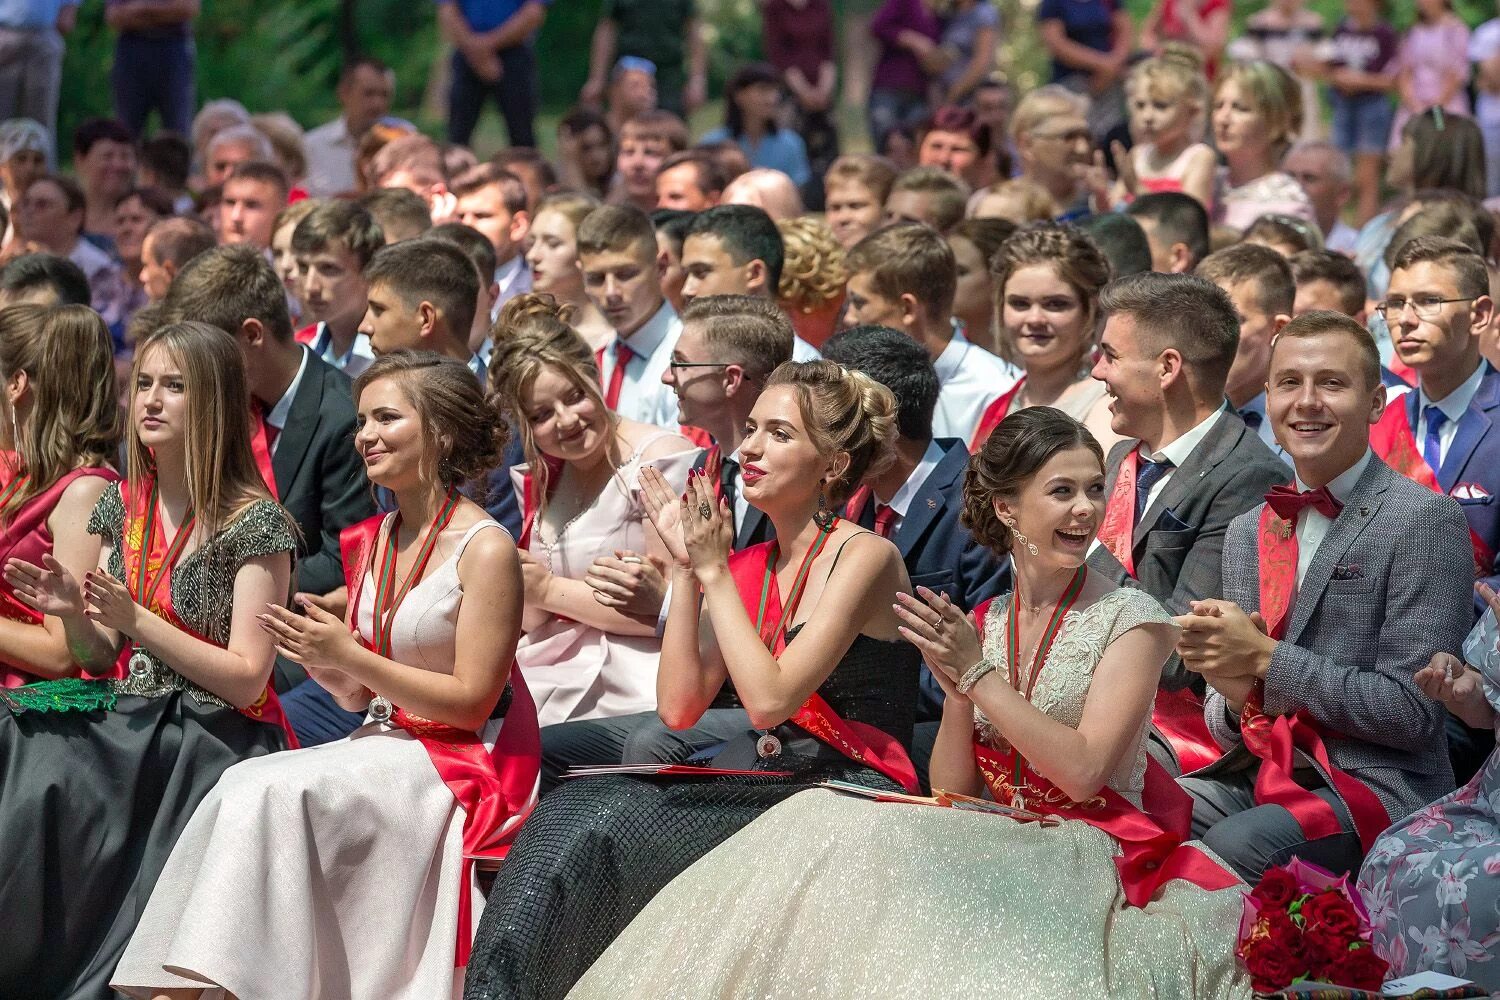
{"x": 381, "y": 708}
{"x": 140, "y": 663}
{"x": 767, "y": 746}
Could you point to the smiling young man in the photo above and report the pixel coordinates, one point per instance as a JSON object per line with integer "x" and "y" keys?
{"x": 904, "y": 277}
{"x": 1189, "y": 465}
{"x": 1336, "y": 591}
{"x": 622, "y": 275}
{"x": 332, "y": 246}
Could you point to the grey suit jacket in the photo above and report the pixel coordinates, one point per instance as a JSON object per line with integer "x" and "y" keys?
{"x": 1387, "y": 588}
{"x": 1179, "y": 540}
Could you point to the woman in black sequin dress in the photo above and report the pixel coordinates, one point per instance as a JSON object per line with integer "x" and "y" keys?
{"x": 805, "y": 635}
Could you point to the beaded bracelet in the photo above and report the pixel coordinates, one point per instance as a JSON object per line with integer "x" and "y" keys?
{"x": 974, "y": 674}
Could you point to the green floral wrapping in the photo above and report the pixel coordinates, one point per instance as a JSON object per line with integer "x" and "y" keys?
{"x": 68, "y": 694}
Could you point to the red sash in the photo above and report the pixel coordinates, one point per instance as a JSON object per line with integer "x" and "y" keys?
{"x": 1152, "y": 839}
{"x": 491, "y": 786}
{"x": 531, "y": 501}
{"x": 260, "y": 445}
{"x": 993, "y": 414}
{"x": 1276, "y": 740}
{"x": 156, "y": 596}
{"x": 1117, "y": 530}
{"x": 308, "y": 335}
{"x": 858, "y": 741}
{"x": 1393, "y": 439}
{"x": 25, "y": 536}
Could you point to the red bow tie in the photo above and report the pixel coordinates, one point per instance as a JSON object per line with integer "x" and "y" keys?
{"x": 1287, "y": 502}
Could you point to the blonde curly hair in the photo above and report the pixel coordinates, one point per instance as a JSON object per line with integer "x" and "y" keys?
{"x": 814, "y": 273}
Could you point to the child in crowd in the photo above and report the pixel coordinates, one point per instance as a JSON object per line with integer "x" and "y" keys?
{"x": 1168, "y": 101}
{"x": 1431, "y": 68}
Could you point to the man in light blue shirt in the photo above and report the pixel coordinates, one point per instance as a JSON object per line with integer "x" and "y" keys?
{"x": 31, "y": 55}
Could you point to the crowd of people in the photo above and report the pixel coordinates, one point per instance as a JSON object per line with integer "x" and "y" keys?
{"x": 526, "y": 577}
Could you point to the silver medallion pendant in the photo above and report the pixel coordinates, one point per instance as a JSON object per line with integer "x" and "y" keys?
{"x": 1017, "y": 802}
{"x": 140, "y": 663}
{"x": 381, "y": 708}
{"x": 767, "y": 746}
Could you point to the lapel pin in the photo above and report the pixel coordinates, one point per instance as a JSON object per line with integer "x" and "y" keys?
{"x": 1364, "y": 512}
{"x": 931, "y": 504}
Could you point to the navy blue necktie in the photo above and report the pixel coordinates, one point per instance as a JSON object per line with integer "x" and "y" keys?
{"x": 1147, "y": 475}
{"x": 1252, "y": 418}
{"x": 1432, "y": 443}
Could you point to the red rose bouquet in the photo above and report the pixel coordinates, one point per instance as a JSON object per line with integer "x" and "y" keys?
{"x": 1302, "y": 923}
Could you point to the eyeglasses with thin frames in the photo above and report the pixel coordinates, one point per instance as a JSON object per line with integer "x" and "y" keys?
{"x": 674, "y": 365}
{"x": 1426, "y": 307}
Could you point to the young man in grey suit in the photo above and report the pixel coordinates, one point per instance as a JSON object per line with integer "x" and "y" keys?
{"x": 1190, "y": 465}
{"x": 1337, "y": 590}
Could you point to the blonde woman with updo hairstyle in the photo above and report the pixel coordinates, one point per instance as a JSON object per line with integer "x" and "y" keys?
{"x": 59, "y": 430}
{"x": 797, "y": 636}
{"x": 299, "y": 870}
{"x": 1256, "y": 114}
{"x": 553, "y": 258}
{"x": 188, "y": 552}
{"x": 1047, "y": 283}
{"x": 813, "y": 277}
{"x": 580, "y": 497}
{"x": 1098, "y": 888}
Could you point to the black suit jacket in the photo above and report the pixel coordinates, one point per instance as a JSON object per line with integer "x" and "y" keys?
{"x": 1179, "y": 541}
{"x": 319, "y": 476}
{"x": 940, "y": 553}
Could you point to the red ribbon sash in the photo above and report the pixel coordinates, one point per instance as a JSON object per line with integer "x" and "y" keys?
{"x": 993, "y": 414}
{"x": 1275, "y": 740}
{"x": 860, "y": 742}
{"x": 149, "y": 562}
{"x": 260, "y": 445}
{"x": 1117, "y": 530}
{"x": 1394, "y": 440}
{"x": 493, "y": 787}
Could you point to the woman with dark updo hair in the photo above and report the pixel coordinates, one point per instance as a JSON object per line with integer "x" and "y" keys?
{"x": 1049, "y": 692}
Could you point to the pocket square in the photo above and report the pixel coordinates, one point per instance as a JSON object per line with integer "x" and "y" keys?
{"x": 1470, "y": 491}
{"x": 1349, "y": 572}
{"x": 1169, "y": 521}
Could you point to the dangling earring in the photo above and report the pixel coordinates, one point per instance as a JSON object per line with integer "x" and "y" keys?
{"x": 823, "y": 517}
{"x": 1020, "y": 538}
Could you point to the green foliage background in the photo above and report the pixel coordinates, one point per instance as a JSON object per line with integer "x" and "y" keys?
{"x": 285, "y": 54}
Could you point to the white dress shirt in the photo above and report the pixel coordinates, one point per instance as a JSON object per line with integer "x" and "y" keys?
{"x": 1312, "y": 526}
{"x": 359, "y": 356}
{"x": 1177, "y": 453}
{"x": 330, "y": 151}
{"x": 513, "y": 277}
{"x": 279, "y": 413}
{"x": 803, "y": 351}
{"x": 643, "y": 396}
{"x": 1453, "y": 406}
{"x": 969, "y": 380}
{"x": 901, "y": 502}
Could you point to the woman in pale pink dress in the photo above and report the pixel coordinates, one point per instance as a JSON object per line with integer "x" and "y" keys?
{"x": 1432, "y": 65}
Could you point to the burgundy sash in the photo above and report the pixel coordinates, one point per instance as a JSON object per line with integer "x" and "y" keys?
{"x": 860, "y": 742}
{"x": 266, "y": 708}
{"x": 1275, "y": 741}
{"x": 1393, "y": 439}
{"x": 993, "y": 414}
{"x": 260, "y": 445}
{"x": 25, "y": 536}
{"x": 1151, "y": 838}
{"x": 491, "y": 786}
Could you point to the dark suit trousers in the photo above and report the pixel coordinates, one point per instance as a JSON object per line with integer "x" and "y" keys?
{"x": 633, "y": 739}
{"x": 1252, "y": 838}
{"x": 315, "y": 717}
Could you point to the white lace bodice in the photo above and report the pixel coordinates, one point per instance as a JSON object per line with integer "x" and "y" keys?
{"x": 1068, "y": 671}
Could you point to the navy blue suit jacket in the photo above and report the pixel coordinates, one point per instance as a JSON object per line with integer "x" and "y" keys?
{"x": 940, "y": 553}
{"x": 1471, "y": 469}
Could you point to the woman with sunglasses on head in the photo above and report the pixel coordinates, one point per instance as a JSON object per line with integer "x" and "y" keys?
{"x": 799, "y": 632}
{"x": 1088, "y": 891}
{"x": 105, "y": 773}
{"x": 346, "y": 870}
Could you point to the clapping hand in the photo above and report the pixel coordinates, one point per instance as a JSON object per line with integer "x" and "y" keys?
{"x": 1449, "y": 680}
{"x": 630, "y": 582}
{"x": 941, "y": 631}
{"x": 110, "y": 603}
{"x": 536, "y": 578}
{"x": 665, "y": 508}
{"x": 707, "y": 529}
{"x": 316, "y": 639}
{"x": 48, "y": 588}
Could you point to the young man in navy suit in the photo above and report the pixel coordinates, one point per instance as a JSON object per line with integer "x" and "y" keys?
{"x": 1443, "y": 433}
{"x": 917, "y": 499}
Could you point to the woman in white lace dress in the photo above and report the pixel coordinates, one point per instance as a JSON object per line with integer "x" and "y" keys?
{"x": 1046, "y": 709}
{"x": 580, "y": 499}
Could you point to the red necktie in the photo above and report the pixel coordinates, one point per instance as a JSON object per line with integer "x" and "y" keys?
{"x": 1287, "y": 502}
{"x": 885, "y": 518}
{"x": 623, "y": 354}
{"x": 272, "y": 433}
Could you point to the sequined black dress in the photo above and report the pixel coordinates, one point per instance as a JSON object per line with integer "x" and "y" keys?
{"x": 97, "y": 778}
{"x": 597, "y": 849}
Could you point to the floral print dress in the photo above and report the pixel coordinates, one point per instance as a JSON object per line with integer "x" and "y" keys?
{"x": 1432, "y": 882}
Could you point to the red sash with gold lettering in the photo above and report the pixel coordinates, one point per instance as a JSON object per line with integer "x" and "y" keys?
{"x": 160, "y": 560}
{"x": 1117, "y": 530}
{"x": 860, "y": 742}
{"x": 493, "y": 787}
{"x": 1276, "y": 740}
{"x": 993, "y": 414}
{"x": 25, "y": 536}
{"x": 1152, "y": 837}
{"x": 260, "y": 446}
{"x": 1394, "y": 440}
